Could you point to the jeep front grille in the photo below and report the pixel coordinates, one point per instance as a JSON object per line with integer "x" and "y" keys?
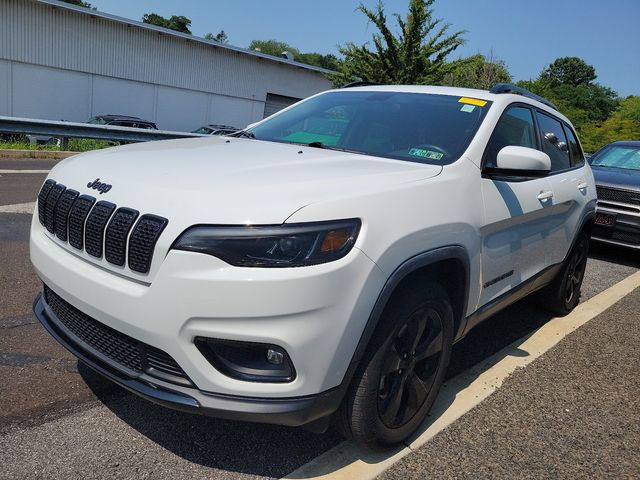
{"x": 118, "y": 347}
{"x": 95, "y": 227}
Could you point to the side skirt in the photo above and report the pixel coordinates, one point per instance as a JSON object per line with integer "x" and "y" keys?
{"x": 534, "y": 283}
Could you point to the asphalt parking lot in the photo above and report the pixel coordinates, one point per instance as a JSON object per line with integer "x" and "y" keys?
{"x": 59, "y": 420}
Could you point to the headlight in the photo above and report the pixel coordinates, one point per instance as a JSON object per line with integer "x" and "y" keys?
{"x": 288, "y": 245}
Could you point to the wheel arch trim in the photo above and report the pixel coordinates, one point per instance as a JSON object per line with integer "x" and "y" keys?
{"x": 413, "y": 264}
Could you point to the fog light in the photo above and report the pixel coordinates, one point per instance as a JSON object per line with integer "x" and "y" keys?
{"x": 249, "y": 361}
{"x": 275, "y": 357}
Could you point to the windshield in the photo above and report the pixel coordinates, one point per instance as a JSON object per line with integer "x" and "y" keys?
{"x": 97, "y": 121}
{"x": 417, "y": 127}
{"x": 617, "y": 156}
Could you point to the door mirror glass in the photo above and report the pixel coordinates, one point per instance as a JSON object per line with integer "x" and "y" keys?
{"x": 523, "y": 159}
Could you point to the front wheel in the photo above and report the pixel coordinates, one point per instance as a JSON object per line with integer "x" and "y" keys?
{"x": 563, "y": 293}
{"x": 402, "y": 370}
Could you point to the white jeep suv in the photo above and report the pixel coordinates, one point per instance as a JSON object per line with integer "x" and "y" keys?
{"x": 321, "y": 263}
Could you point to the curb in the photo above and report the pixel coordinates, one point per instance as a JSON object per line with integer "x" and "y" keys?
{"x": 36, "y": 154}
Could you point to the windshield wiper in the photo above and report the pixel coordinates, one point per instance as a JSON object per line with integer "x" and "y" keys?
{"x": 331, "y": 147}
{"x": 243, "y": 134}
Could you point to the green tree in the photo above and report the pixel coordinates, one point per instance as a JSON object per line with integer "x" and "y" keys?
{"x": 273, "y": 47}
{"x": 79, "y": 3}
{"x": 276, "y": 48}
{"x": 623, "y": 124}
{"x": 476, "y": 72}
{"x": 177, "y": 23}
{"x": 569, "y": 83}
{"x": 569, "y": 71}
{"x": 221, "y": 37}
{"x": 416, "y": 55}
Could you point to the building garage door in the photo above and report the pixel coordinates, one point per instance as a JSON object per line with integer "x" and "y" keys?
{"x": 275, "y": 103}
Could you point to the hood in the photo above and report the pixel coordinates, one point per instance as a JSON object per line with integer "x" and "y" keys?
{"x": 223, "y": 181}
{"x": 617, "y": 177}
{"x": 228, "y": 180}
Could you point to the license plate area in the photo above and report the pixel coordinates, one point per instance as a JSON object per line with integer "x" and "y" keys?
{"x": 605, "y": 219}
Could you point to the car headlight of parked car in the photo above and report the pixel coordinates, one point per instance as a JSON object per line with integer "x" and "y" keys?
{"x": 288, "y": 245}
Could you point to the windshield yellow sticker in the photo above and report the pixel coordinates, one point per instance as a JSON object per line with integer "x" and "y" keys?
{"x": 473, "y": 101}
{"x": 421, "y": 152}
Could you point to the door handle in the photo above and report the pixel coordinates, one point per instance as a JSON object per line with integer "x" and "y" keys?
{"x": 582, "y": 186}
{"x": 545, "y": 195}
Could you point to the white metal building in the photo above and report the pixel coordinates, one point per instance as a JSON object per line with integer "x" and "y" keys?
{"x": 62, "y": 62}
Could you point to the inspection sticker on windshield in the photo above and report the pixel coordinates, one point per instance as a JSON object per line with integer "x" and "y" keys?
{"x": 467, "y": 108}
{"x": 421, "y": 152}
{"x": 473, "y": 101}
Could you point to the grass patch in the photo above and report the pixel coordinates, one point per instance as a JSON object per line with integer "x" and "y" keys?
{"x": 86, "y": 144}
{"x": 74, "y": 145}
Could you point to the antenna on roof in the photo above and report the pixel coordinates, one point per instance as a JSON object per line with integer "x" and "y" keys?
{"x": 509, "y": 88}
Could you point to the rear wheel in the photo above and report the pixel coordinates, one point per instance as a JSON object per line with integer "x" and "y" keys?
{"x": 402, "y": 370}
{"x": 563, "y": 294}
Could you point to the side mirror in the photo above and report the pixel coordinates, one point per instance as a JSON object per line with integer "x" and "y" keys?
{"x": 523, "y": 159}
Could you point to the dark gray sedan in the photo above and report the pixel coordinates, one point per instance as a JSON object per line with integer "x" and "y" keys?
{"x": 616, "y": 168}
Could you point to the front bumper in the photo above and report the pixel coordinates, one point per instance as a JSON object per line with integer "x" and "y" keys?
{"x": 282, "y": 411}
{"x": 316, "y": 314}
{"x": 626, "y": 230}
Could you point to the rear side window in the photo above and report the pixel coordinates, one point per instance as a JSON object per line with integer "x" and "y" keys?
{"x": 554, "y": 142}
{"x": 577, "y": 157}
{"x": 515, "y": 127}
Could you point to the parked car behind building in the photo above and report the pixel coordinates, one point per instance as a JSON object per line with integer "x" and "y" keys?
{"x": 122, "y": 121}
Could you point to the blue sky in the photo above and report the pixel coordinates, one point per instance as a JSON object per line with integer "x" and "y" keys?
{"x": 526, "y": 34}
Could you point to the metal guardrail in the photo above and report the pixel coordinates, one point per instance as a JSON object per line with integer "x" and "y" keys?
{"x": 64, "y": 130}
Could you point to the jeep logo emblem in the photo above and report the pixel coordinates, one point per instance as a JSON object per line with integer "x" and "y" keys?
{"x": 97, "y": 185}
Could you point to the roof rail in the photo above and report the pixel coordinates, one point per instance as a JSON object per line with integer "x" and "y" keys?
{"x": 359, "y": 83}
{"x": 509, "y": 88}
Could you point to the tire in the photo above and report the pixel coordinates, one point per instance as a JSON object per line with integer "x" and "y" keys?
{"x": 402, "y": 370}
{"x": 563, "y": 294}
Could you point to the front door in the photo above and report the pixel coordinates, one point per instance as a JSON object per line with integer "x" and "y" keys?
{"x": 517, "y": 212}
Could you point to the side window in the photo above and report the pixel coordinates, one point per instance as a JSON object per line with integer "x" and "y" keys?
{"x": 515, "y": 127}
{"x": 577, "y": 157}
{"x": 554, "y": 142}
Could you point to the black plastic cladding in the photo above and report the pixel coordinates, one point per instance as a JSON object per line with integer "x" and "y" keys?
{"x": 97, "y": 229}
{"x": 94, "y": 229}
{"x": 115, "y": 247}
{"x": 143, "y": 241}
{"x": 123, "y": 349}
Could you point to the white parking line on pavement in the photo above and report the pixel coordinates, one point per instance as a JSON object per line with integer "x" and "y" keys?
{"x": 22, "y": 171}
{"x": 18, "y": 208}
{"x": 465, "y": 391}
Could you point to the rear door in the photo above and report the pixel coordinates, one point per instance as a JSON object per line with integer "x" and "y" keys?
{"x": 517, "y": 218}
{"x": 568, "y": 182}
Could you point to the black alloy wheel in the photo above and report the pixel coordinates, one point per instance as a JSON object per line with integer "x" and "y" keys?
{"x": 403, "y": 367}
{"x": 575, "y": 270}
{"x": 410, "y": 366}
{"x": 563, "y": 294}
